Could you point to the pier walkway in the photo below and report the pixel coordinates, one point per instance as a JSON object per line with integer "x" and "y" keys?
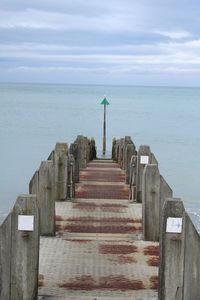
{"x": 98, "y": 252}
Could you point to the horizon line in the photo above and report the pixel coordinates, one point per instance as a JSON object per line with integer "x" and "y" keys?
{"x": 99, "y": 84}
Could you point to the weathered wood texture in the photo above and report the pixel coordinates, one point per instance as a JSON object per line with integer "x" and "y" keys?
{"x": 74, "y": 152}
{"x": 172, "y": 253}
{"x": 61, "y": 165}
{"x": 34, "y": 183}
{"x": 151, "y": 203}
{"x": 122, "y": 151}
{"x": 71, "y": 177}
{"x": 46, "y": 198}
{"x": 144, "y": 150}
{"x": 19, "y": 253}
{"x": 192, "y": 261}
{"x": 154, "y": 192}
{"x": 5, "y": 258}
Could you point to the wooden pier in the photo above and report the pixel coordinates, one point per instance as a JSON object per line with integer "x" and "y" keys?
{"x": 99, "y": 229}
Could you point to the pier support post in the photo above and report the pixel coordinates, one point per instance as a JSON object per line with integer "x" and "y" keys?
{"x": 143, "y": 158}
{"x": 114, "y": 149}
{"x": 87, "y": 149}
{"x": 25, "y": 250}
{"x": 126, "y": 141}
{"x": 74, "y": 152}
{"x": 129, "y": 152}
{"x": 71, "y": 177}
{"x": 34, "y": 183}
{"x": 60, "y": 165}
{"x": 192, "y": 261}
{"x": 120, "y": 155}
{"x": 46, "y": 198}
{"x": 19, "y": 251}
{"x": 93, "y": 152}
{"x": 154, "y": 192}
{"x": 82, "y": 152}
{"x": 151, "y": 203}
{"x": 172, "y": 251}
{"x": 165, "y": 192}
{"x": 117, "y": 150}
{"x": 133, "y": 172}
{"x": 5, "y": 258}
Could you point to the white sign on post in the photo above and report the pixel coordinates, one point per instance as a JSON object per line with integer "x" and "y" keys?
{"x": 174, "y": 225}
{"x": 144, "y": 159}
{"x": 25, "y": 223}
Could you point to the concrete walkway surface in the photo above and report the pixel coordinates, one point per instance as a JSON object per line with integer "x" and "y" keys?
{"x": 98, "y": 252}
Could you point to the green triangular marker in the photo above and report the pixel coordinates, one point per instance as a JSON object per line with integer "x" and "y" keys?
{"x": 105, "y": 102}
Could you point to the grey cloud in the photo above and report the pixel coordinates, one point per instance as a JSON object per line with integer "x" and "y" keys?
{"x": 116, "y": 37}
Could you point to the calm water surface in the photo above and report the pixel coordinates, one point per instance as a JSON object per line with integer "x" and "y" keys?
{"x": 34, "y": 117}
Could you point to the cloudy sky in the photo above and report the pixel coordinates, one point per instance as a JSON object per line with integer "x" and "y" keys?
{"x": 137, "y": 42}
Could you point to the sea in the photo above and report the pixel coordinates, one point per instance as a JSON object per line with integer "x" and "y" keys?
{"x": 34, "y": 117}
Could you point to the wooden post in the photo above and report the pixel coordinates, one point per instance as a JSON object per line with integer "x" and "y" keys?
{"x": 144, "y": 158}
{"x": 61, "y": 164}
{"x": 71, "y": 177}
{"x": 34, "y": 183}
{"x": 74, "y": 151}
{"x": 132, "y": 176}
{"x": 192, "y": 261}
{"x": 172, "y": 241}
{"x": 151, "y": 203}
{"x": 46, "y": 198}
{"x": 81, "y": 151}
{"x": 5, "y": 258}
{"x": 19, "y": 251}
{"x": 114, "y": 149}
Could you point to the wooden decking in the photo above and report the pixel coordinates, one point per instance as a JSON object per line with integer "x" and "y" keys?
{"x": 98, "y": 252}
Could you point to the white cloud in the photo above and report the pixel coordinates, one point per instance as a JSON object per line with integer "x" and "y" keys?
{"x": 36, "y": 19}
{"x": 174, "y": 34}
{"x": 177, "y": 58}
{"x": 173, "y": 55}
{"x": 113, "y": 71}
{"x": 189, "y": 48}
{"x": 31, "y": 69}
{"x": 57, "y": 48}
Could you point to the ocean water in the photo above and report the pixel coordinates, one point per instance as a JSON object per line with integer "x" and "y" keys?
{"x": 34, "y": 117}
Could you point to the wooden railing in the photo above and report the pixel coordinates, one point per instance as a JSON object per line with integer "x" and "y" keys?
{"x": 164, "y": 219}
{"x": 34, "y": 215}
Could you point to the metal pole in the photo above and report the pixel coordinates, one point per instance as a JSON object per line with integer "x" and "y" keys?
{"x": 104, "y": 131}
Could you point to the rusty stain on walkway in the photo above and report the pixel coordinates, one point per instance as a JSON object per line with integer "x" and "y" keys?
{"x": 98, "y": 252}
